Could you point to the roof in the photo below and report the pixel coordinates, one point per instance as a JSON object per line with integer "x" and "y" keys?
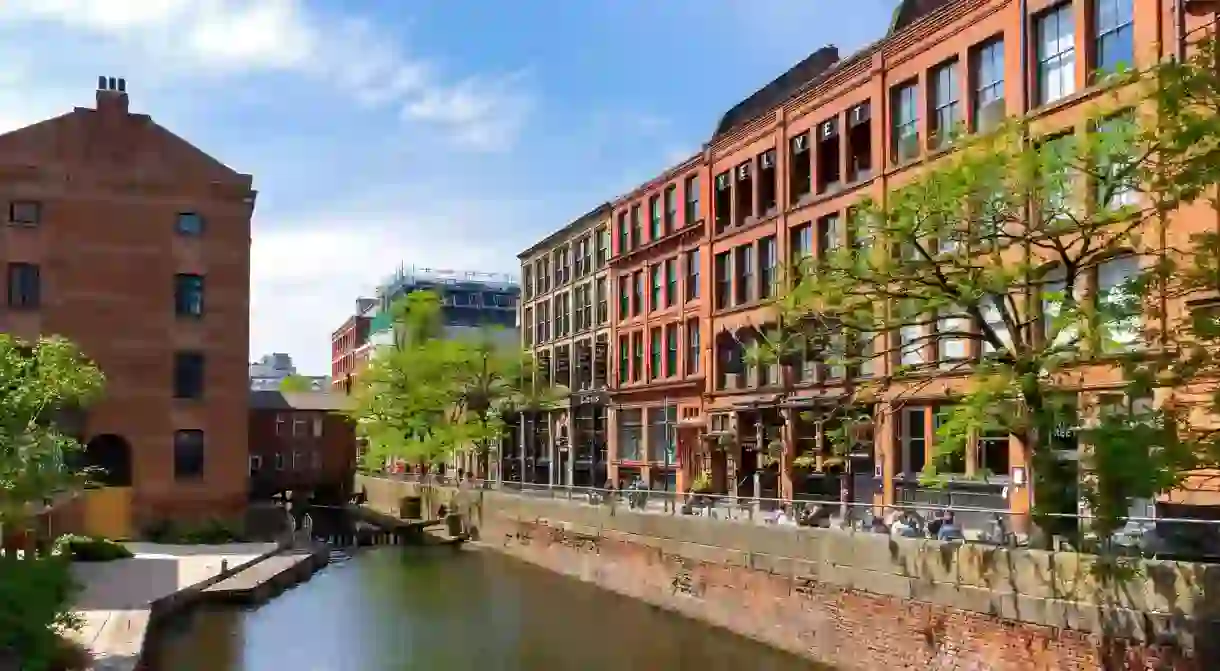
{"x": 780, "y": 89}
{"x": 592, "y": 216}
{"x": 299, "y": 400}
{"x": 909, "y": 11}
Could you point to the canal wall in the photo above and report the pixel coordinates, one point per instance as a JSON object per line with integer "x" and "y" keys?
{"x": 854, "y": 600}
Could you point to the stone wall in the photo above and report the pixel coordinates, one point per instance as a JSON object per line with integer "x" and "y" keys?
{"x": 861, "y": 601}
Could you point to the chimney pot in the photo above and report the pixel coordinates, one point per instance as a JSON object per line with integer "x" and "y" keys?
{"x": 101, "y": 83}
{"x": 113, "y": 84}
{"x": 122, "y": 85}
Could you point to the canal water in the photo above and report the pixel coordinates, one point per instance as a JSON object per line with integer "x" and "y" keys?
{"x": 420, "y": 609}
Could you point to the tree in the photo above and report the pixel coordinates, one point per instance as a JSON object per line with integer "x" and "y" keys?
{"x": 432, "y": 394}
{"x": 295, "y": 383}
{"x": 38, "y": 382}
{"x": 1008, "y": 272}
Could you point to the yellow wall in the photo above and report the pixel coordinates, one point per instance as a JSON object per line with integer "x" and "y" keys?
{"x": 108, "y": 513}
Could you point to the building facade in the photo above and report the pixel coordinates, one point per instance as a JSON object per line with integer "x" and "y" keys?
{"x": 781, "y": 173}
{"x": 469, "y": 300}
{"x": 125, "y": 238}
{"x": 660, "y": 298}
{"x": 349, "y": 349}
{"x": 269, "y": 372}
{"x": 565, "y": 325}
{"x": 300, "y": 441}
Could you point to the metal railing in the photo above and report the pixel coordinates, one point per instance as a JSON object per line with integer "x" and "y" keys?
{"x": 1164, "y": 537}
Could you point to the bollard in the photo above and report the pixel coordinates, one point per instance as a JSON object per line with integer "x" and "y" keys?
{"x": 224, "y": 565}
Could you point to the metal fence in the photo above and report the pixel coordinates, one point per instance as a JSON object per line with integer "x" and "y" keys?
{"x": 1165, "y": 537}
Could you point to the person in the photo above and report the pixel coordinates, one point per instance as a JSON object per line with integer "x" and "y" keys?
{"x": 949, "y": 531}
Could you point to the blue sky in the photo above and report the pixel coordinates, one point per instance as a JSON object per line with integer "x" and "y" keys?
{"x": 440, "y": 133}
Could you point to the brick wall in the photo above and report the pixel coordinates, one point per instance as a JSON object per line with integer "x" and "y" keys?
{"x": 859, "y": 601}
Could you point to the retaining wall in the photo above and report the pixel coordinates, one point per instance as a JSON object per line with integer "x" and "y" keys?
{"x": 857, "y": 600}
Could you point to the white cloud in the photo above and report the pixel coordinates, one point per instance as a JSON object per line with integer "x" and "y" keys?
{"x": 219, "y": 38}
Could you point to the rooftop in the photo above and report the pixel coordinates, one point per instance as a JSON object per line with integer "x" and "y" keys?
{"x": 299, "y": 400}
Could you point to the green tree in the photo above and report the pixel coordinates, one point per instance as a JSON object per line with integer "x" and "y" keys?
{"x": 296, "y": 383}
{"x": 38, "y": 382}
{"x": 1018, "y": 265}
{"x": 430, "y": 394}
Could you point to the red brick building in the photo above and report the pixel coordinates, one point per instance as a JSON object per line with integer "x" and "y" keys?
{"x": 349, "y": 351}
{"x": 300, "y": 441}
{"x": 135, "y": 244}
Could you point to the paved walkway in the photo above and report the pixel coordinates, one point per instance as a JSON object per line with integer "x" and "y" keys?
{"x": 114, "y": 602}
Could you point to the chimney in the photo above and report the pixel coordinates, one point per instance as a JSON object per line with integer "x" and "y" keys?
{"x": 112, "y": 95}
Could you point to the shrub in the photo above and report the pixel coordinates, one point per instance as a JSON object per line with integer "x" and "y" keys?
{"x": 91, "y": 548}
{"x": 213, "y": 531}
{"x": 35, "y": 607}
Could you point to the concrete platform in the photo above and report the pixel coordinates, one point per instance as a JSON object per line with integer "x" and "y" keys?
{"x": 264, "y": 580}
{"x": 116, "y": 598}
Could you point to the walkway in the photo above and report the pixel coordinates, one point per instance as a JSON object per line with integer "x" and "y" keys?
{"x": 114, "y": 602}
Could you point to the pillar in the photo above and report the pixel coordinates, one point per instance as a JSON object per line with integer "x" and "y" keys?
{"x": 885, "y": 448}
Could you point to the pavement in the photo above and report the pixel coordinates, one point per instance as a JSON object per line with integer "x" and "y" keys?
{"x": 116, "y": 596}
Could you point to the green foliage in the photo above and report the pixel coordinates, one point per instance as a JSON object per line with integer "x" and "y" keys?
{"x": 37, "y": 381}
{"x": 212, "y": 531}
{"x": 90, "y": 548}
{"x": 431, "y": 393}
{"x": 986, "y": 266}
{"x": 295, "y": 383}
{"x": 35, "y": 607}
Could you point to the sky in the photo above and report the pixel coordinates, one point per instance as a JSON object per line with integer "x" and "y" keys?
{"x": 435, "y": 133}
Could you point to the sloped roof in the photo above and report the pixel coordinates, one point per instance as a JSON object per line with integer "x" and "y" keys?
{"x": 299, "y": 400}
{"x": 909, "y": 11}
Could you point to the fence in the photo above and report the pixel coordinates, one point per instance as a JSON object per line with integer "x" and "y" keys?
{"x": 1181, "y": 538}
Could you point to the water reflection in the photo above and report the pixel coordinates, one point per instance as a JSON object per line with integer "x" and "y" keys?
{"x": 398, "y": 610}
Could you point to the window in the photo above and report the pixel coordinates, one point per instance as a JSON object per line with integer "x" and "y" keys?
{"x": 256, "y": 463}
{"x": 542, "y": 276}
{"x": 723, "y": 203}
{"x": 542, "y": 322}
{"x": 953, "y": 346}
{"x": 25, "y": 212}
{"x": 189, "y": 224}
{"x": 637, "y": 229}
{"x": 1112, "y": 29}
{"x": 300, "y": 425}
{"x": 624, "y": 359}
{"x": 1117, "y": 183}
{"x": 624, "y": 297}
{"x": 724, "y": 281}
{"x": 579, "y": 304}
{"x": 318, "y": 425}
{"x": 602, "y": 241}
{"x": 281, "y": 425}
{"x": 910, "y": 338}
{"x": 630, "y": 434}
{"x": 527, "y": 330}
{"x": 655, "y": 303}
{"x": 637, "y": 296}
{"x": 1056, "y": 54}
{"x": 654, "y": 219}
{"x": 988, "y": 84}
{"x": 24, "y": 286}
{"x": 527, "y": 279}
{"x": 1056, "y": 182}
{"x": 767, "y": 271}
{"x": 800, "y": 168}
{"x": 188, "y": 454}
{"x": 828, "y": 235}
{"x": 1118, "y": 303}
{"x": 744, "y": 266}
{"x": 671, "y": 282}
{"x": 905, "y": 99}
{"x": 188, "y": 295}
{"x": 279, "y": 461}
{"x": 692, "y": 274}
{"x": 800, "y": 244}
{"x": 603, "y": 301}
{"x": 993, "y": 309}
{"x": 637, "y": 356}
{"x": 188, "y": 374}
{"x": 913, "y": 439}
{"x": 583, "y": 260}
{"x": 671, "y": 350}
{"x": 946, "y": 112}
{"x": 691, "y": 189}
{"x": 654, "y": 354}
{"x": 315, "y": 460}
{"x": 624, "y": 234}
{"x": 768, "y": 183}
{"x": 1059, "y": 329}
{"x": 865, "y": 352}
{"x": 692, "y": 346}
{"x": 671, "y": 208}
{"x": 563, "y": 315}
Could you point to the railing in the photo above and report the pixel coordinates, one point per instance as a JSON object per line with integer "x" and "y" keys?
{"x": 1163, "y": 537}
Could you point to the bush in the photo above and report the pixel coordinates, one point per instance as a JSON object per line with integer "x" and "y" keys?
{"x": 213, "y": 531}
{"x": 91, "y": 548}
{"x": 35, "y": 607}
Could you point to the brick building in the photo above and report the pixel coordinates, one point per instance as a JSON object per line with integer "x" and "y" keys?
{"x": 565, "y": 324}
{"x": 349, "y": 346}
{"x": 782, "y": 170}
{"x": 300, "y": 441}
{"x": 660, "y": 295}
{"x": 125, "y": 238}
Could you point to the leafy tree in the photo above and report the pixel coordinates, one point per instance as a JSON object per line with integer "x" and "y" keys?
{"x": 296, "y": 383}
{"x": 1015, "y": 267}
{"x": 37, "y": 382}
{"x": 432, "y": 394}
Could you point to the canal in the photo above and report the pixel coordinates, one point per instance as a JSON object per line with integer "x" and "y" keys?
{"x": 405, "y": 609}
